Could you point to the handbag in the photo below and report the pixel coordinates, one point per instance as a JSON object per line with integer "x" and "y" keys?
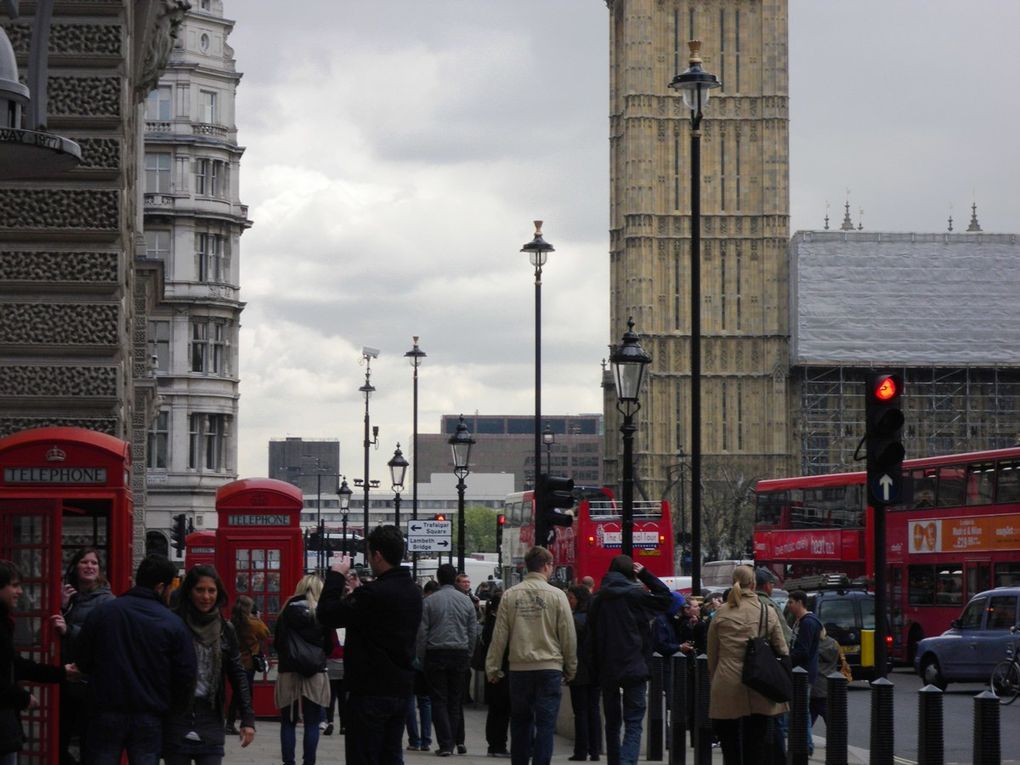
{"x": 259, "y": 663}
{"x": 763, "y": 671}
{"x": 306, "y": 658}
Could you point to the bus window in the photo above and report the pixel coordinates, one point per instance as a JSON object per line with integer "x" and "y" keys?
{"x": 978, "y": 579}
{"x": 921, "y": 585}
{"x": 981, "y": 483}
{"x": 949, "y": 584}
{"x": 1007, "y": 574}
{"x": 951, "y": 486}
{"x": 768, "y": 509}
{"x": 924, "y": 487}
{"x": 1009, "y": 482}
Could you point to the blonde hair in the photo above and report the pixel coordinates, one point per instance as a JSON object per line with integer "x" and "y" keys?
{"x": 743, "y": 583}
{"x": 310, "y": 588}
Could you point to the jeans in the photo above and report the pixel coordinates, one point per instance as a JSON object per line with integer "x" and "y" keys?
{"x": 497, "y": 719}
{"x": 444, "y": 671}
{"x": 584, "y": 700}
{"x": 336, "y": 701}
{"x": 422, "y": 739}
{"x": 112, "y": 733}
{"x": 311, "y": 713}
{"x": 743, "y": 740}
{"x": 375, "y": 729}
{"x": 631, "y": 716}
{"x": 534, "y": 704}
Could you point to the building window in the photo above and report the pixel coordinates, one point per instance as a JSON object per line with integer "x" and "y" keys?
{"x": 207, "y": 441}
{"x": 157, "y": 172}
{"x": 209, "y": 346}
{"x": 209, "y": 258}
{"x": 207, "y": 105}
{"x": 210, "y": 177}
{"x": 157, "y": 245}
{"x": 159, "y": 344}
{"x": 203, "y": 42}
{"x": 157, "y": 105}
{"x": 159, "y": 438}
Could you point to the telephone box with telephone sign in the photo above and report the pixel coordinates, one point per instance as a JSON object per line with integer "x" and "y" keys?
{"x": 260, "y": 553}
{"x": 200, "y": 549}
{"x": 61, "y": 490}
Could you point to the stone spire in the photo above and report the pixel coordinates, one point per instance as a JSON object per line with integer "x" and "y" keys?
{"x": 848, "y": 225}
{"x": 974, "y": 225}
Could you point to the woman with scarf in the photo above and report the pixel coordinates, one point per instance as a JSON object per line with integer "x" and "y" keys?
{"x": 197, "y": 733}
{"x": 84, "y": 589}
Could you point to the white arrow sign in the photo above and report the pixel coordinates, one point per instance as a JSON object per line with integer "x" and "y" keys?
{"x": 886, "y": 482}
{"x": 429, "y": 536}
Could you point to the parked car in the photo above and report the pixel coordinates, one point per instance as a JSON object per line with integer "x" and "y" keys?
{"x": 977, "y": 641}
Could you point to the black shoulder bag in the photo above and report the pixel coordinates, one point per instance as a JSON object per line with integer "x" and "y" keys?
{"x": 763, "y": 671}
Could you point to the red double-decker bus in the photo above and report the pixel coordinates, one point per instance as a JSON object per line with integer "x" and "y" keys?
{"x": 586, "y": 547}
{"x": 957, "y": 533}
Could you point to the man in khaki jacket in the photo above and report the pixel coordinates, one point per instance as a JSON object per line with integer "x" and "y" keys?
{"x": 534, "y": 618}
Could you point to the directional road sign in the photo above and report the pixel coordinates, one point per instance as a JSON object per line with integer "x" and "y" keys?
{"x": 886, "y": 488}
{"x": 429, "y": 536}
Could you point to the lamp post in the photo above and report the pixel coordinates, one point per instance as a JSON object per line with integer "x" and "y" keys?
{"x": 548, "y": 438}
{"x": 345, "y": 492}
{"x": 694, "y": 85}
{"x": 460, "y": 444}
{"x": 398, "y": 469}
{"x": 367, "y": 354}
{"x": 538, "y": 252}
{"x": 415, "y": 355}
{"x": 629, "y": 360}
{"x": 681, "y": 514}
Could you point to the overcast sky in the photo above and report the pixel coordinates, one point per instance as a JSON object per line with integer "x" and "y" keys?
{"x": 398, "y": 150}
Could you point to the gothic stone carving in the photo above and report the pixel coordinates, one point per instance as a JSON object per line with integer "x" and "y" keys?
{"x": 58, "y": 208}
{"x": 158, "y": 43}
{"x": 49, "y": 323}
{"x": 75, "y": 381}
{"x": 58, "y": 266}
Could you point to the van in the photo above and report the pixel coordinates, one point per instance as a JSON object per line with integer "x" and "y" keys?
{"x": 718, "y": 574}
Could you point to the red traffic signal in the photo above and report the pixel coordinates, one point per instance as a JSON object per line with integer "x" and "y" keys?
{"x": 885, "y": 387}
{"x": 439, "y": 517}
{"x": 501, "y": 520}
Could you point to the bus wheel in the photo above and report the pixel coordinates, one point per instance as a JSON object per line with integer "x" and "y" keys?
{"x": 931, "y": 674}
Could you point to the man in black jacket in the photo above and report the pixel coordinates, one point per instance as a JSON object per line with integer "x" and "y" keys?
{"x": 140, "y": 659}
{"x": 618, "y": 646}
{"x": 382, "y": 620}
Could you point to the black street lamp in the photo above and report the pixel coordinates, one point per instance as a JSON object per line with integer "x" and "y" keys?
{"x": 681, "y": 514}
{"x": 398, "y": 469}
{"x": 629, "y": 360}
{"x": 367, "y": 354}
{"x": 345, "y": 492}
{"x": 460, "y": 444}
{"x": 538, "y": 252}
{"x": 548, "y": 438}
{"x": 415, "y": 355}
{"x": 695, "y": 84}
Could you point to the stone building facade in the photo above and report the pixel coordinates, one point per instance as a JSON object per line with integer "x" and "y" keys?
{"x": 72, "y": 301}
{"x": 746, "y": 429}
{"x": 193, "y": 223}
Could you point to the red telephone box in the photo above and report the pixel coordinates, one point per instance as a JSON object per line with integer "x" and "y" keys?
{"x": 260, "y": 553}
{"x": 61, "y": 489}
{"x": 200, "y": 549}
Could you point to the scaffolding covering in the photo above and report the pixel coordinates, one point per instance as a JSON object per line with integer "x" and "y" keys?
{"x": 863, "y": 298}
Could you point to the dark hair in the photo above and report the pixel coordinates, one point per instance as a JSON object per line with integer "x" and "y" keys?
{"x": 9, "y": 573}
{"x": 388, "y": 542}
{"x": 582, "y": 594}
{"x": 243, "y": 608}
{"x": 430, "y": 586}
{"x": 155, "y": 570}
{"x": 71, "y": 572}
{"x": 536, "y": 558}
{"x": 800, "y": 596}
{"x": 623, "y": 564}
{"x": 446, "y": 574}
{"x": 191, "y": 579}
{"x": 763, "y": 576}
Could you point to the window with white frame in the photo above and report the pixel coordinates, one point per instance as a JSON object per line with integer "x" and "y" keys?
{"x": 158, "y": 106}
{"x": 209, "y": 344}
{"x": 207, "y": 106}
{"x": 157, "y": 172}
{"x": 157, "y": 245}
{"x": 207, "y": 441}
{"x": 159, "y": 344}
{"x": 210, "y": 258}
{"x": 159, "y": 440}
{"x": 210, "y": 177}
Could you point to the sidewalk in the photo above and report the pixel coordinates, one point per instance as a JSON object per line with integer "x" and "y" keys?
{"x": 265, "y": 749}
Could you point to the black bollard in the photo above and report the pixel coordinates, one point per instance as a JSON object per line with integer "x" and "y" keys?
{"x": 837, "y": 725}
{"x": 930, "y": 742}
{"x": 692, "y": 695}
{"x": 796, "y": 744}
{"x": 987, "y": 747}
{"x": 882, "y": 736}
{"x": 703, "y": 723}
{"x": 678, "y": 711}
{"x": 655, "y": 711}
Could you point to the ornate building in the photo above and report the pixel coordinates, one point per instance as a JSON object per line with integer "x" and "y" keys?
{"x": 72, "y": 298}
{"x": 746, "y": 430}
{"x": 193, "y": 224}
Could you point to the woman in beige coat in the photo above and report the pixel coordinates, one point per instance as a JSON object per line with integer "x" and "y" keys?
{"x": 740, "y": 715}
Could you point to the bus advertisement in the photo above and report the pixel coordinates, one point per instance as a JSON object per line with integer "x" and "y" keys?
{"x": 586, "y": 547}
{"x": 957, "y": 533}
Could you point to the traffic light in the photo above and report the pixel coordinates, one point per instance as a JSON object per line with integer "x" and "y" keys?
{"x": 179, "y": 532}
{"x": 884, "y": 437}
{"x": 500, "y": 523}
{"x": 439, "y": 517}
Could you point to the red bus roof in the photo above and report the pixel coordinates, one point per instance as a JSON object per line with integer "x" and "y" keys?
{"x": 858, "y": 477}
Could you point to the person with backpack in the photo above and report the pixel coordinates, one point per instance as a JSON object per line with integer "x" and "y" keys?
{"x": 807, "y": 633}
